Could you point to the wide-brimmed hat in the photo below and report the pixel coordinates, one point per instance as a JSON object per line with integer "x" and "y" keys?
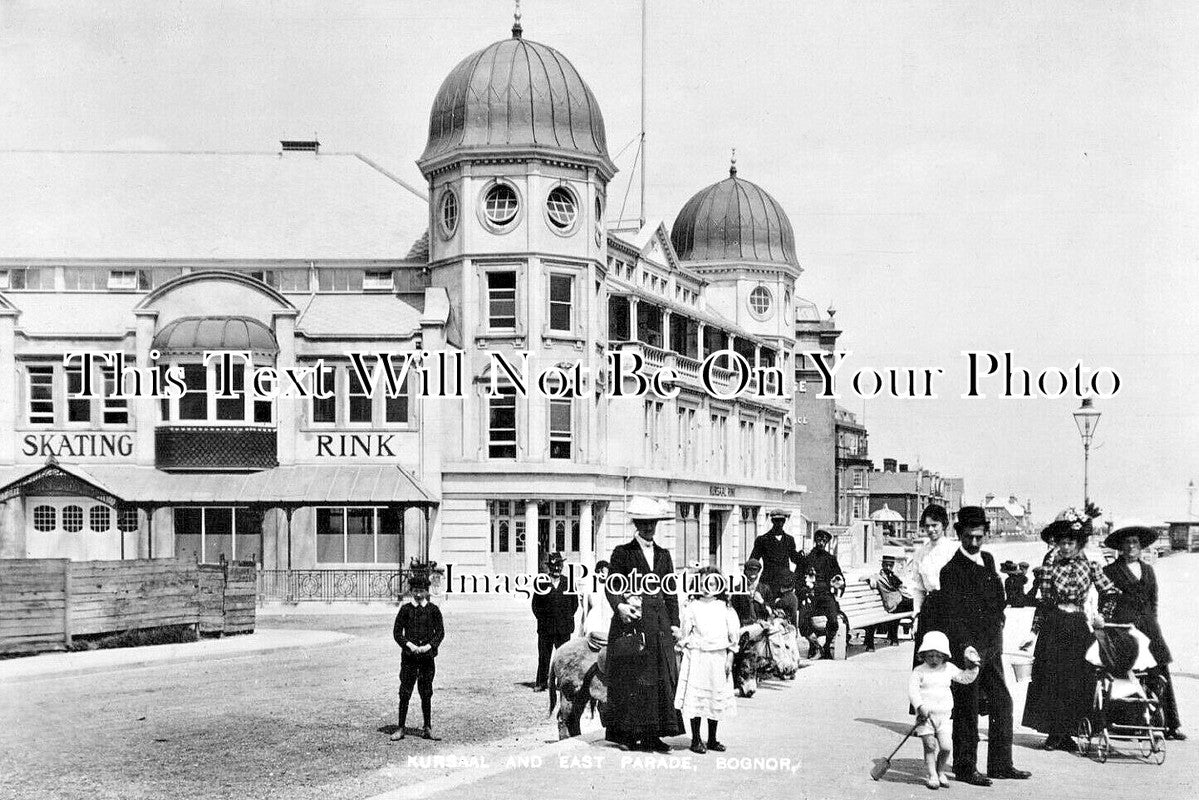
{"x": 1070, "y": 524}
{"x": 418, "y": 583}
{"x": 1145, "y": 534}
{"x": 776, "y": 513}
{"x": 648, "y": 508}
{"x": 934, "y": 641}
{"x": 971, "y": 517}
{"x": 822, "y": 534}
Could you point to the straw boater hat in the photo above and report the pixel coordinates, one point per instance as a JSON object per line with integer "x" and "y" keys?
{"x": 935, "y": 641}
{"x": 1127, "y": 528}
{"x": 648, "y": 508}
{"x": 1070, "y": 524}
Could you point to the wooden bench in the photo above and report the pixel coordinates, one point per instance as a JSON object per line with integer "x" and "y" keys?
{"x": 862, "y": 607}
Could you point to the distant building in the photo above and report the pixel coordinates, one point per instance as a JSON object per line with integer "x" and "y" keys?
{"x": 1008, "y": 517}
{"x": 907, "y": 492}
{"x": 815, "y": 424}
{"x": 853, "y": 468}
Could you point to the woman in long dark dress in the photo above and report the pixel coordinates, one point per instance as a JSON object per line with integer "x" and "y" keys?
{"x": 642, "y": 679}
{"x": 1063, "y": 681}
{"x": 1137, "y": 605}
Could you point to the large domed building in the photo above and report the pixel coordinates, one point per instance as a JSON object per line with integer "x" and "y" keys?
{"x": 312, "y": 254}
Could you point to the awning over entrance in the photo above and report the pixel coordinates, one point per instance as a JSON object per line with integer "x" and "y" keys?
{"x": 300, "y": 485}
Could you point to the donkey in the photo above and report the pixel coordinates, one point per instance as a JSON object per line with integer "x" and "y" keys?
{"x": 577, "y": 672}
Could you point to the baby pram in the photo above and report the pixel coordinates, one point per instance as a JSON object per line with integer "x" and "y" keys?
{"x": 1126, "y": 707}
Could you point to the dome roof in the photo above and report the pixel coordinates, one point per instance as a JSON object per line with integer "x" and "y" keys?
{"x": 516, "y": 94}
{"x": 734, "y": 220}
{"x": 202, "y": 334}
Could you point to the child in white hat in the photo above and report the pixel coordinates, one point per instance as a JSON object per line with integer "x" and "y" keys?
{"x": 929, "y": 693}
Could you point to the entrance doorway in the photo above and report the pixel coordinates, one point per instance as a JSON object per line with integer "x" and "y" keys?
{"x": 716, "y": 524}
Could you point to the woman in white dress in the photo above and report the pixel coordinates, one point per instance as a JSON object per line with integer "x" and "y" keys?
{"x": 709, "y": 634}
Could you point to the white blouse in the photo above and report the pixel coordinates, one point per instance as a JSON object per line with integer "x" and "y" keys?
{"x": 924, "y": 570}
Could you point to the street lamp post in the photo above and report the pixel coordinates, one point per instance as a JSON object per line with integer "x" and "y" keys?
{"x": 1087, "y": 419}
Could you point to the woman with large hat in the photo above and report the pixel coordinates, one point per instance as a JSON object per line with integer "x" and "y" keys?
{"x": 1063, "y": 682}
{"x": 1137, "y": 604}
{"x": 643, "y": 672}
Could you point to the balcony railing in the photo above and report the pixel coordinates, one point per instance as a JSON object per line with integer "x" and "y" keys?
{"x": 215, "y": 447}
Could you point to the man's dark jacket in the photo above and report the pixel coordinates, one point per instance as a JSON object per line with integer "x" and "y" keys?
{"x": 777, "y": 556}
{"x": 974, "y": 601}
{"x": 555, "y": 611}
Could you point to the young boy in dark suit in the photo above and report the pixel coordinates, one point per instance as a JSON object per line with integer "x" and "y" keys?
{"x": 418, "y": 630}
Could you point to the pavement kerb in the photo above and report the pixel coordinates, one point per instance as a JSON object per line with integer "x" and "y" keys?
{"x": 48, "y": 666}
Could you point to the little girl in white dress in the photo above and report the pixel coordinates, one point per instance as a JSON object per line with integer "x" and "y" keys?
{"x": 709, "y": 634}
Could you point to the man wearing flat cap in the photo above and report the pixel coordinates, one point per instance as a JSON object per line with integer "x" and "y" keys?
{"x": 777, "y": 552}
{"x": 1137, "y": 604}
{"x": 555, "y": 613}
{"x": 643, "y": 672}
{"x": 973, "y": 616}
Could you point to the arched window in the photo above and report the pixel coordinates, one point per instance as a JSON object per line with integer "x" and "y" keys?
{"x": 100, "y": 518}
{"x": 45, "y": 518}
{"x": 72, "y": 519}
{"x": 127, "y": 520}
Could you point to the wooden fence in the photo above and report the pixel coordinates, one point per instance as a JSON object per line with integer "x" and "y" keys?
{"x": 45, "y": 603}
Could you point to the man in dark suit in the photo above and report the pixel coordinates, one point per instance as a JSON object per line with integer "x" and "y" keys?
{"x": 555, "y": 613}
{"x": 974, "y": 601}
{"x": 777, "y": 551}
{"x": 642, "y": 669}
{"x": 1137, "y": 604}
{"x": 829, "y": 578}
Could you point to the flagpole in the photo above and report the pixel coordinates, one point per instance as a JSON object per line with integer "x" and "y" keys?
{"x": 643, "y": 40}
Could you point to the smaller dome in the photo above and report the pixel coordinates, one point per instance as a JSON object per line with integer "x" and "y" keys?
{"x": 194, "y": 335}
{"x": 734, "y": 220}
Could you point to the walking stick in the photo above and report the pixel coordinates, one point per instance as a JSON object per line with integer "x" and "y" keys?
{"x": 881, "y": 769}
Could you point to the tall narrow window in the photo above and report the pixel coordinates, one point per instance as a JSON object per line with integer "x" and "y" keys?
{"x": 395, "y": 409}
{"x": 232, "y": 409}
{"x": 561, "y": 302}
{"x": 501, "y": 299}
{"x": 561, "y": 435}
{"x": 501, "y": 423}
{"x": 41, "y": 395}
{"x": 360, "y": 401}
{"x": 78, "y": 409}
{"x": 324, "y": 409}
{"x": 194, "y": 402}
{"x": 116, "y": 409}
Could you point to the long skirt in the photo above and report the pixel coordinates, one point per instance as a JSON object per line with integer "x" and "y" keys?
{"x": 1062, "y": 690}
{"x": 704, "y": 689}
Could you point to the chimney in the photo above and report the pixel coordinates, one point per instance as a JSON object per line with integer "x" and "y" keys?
{"x": 1012, "y": 500}
{"x": 300, "y": 145}
{"x": 988, "y": 499}
{"x": 888, "y": 465}
{"x": 903, "y": 467}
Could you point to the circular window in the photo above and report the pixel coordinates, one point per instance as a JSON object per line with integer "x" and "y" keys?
{"x": 99, "y": 518}
{"x": 72, "y": 519}
{"x": 449, "y": 213}
{"x": 562, "y": 209}
{"x": 760, "y": 302}
{"x": 500, "y": 205}
{"x": 45, "y": 518}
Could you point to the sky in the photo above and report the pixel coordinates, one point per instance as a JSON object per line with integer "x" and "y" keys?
{"x": 998, "y": 176}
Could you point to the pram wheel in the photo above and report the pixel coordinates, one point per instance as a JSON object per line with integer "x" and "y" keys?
{"x": 1084, "y": 736}
{"x": 1157, "y": 748}
{"x": 1102, "y": 747}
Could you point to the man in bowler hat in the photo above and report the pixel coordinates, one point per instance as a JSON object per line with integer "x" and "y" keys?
{"x": 777, "y": 551}
{"x": 555, "y": 613}
{"x": 974, "y": 603}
